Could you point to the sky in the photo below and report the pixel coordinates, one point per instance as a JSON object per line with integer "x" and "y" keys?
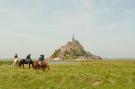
{"x": 104, "y": 27}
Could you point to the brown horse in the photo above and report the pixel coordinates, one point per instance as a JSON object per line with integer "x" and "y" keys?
{"x": 23, "y": 61}
{"x": 44, "y": 65}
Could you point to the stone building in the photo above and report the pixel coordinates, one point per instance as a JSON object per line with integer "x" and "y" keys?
{"x": 71, "y": 45}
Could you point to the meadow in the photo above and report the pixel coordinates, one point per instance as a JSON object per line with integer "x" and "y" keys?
{"x": 81, "y": 75}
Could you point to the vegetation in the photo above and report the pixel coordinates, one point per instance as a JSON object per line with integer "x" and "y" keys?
{"x": 80, "y": 75}
{"x": 56, "y": 54}
{"x": 73, "y": 54}
{"x": 5, "y": 62}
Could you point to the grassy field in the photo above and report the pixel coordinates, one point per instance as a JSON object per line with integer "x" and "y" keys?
{"x": 81, "y": 75}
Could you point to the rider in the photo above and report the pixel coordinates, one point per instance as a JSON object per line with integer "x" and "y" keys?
{"x": 16, "y": 56}
{"x": 15, "y": 60}
{"x": 41, "y": 59}
{"x": 28, "y": 59}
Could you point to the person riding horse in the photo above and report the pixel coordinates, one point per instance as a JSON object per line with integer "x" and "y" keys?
{"x": 28, "y": 59}
{"x": 41, "y": 59}
{"x": 15, "y": 60}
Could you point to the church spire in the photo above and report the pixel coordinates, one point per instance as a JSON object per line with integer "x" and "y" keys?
{"x": 73, "y": 39}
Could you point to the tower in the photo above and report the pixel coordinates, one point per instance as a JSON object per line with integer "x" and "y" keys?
{"x": 73, "y": 38}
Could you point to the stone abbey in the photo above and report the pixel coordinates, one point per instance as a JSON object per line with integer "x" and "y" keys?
{"x": 73, "y": 50}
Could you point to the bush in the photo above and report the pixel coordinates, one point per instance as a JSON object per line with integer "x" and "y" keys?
{"x": 56, "y": 53}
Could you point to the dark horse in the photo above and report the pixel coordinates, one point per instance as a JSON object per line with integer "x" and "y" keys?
{"x": 24, "y": 61}
{"x": 44, "y": 65}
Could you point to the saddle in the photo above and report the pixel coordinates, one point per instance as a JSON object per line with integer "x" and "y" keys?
{"x": 27, "y": 61}
{"x": 42, "y": 62}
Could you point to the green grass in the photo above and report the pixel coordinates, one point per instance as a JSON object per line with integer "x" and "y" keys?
{"x": 82, "y": 75}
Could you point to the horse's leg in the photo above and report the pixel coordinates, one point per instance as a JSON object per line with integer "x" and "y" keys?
{"x": 13, "y": 64}
{"x": 48, "y": 67}
{"x": 23, "y": 65}
{"x": 19, "y": 65}
{"x": 38, "y": 66}
{"x": 29, "y": 65}
{"x": 43, "y": 68}
{"x": 35, "y": 67}
{"x": 32, "y": 65}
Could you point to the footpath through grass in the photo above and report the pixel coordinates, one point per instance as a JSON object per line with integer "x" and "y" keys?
{"x": 83, "y": 75}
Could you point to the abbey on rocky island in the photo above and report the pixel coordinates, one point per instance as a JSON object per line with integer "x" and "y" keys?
{"x": 73, "y": 50}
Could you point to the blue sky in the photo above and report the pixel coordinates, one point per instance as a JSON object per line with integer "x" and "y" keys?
{"x": 104, "y": 27}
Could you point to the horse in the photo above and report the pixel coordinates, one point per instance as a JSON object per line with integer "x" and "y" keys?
{"x": 44, "y": 65}
{"x": 24, "y": 61}
{"x": 15, "y": 62}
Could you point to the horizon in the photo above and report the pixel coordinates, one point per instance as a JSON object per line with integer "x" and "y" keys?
{"x": 104, "y": 28}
